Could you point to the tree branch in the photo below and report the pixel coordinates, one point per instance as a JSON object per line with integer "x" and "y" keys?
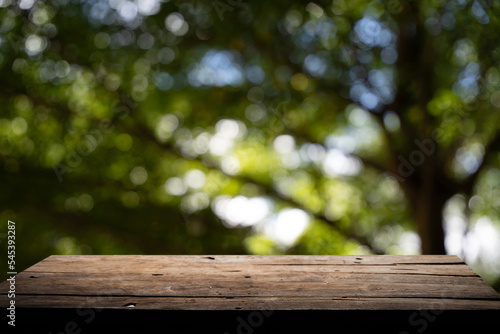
{"x": 145, "y": 134}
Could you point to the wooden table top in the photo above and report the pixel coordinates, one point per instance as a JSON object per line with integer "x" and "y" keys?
{"x": 231, "y": 282}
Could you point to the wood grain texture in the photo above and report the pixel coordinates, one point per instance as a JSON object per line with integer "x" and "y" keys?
{"x": 220, "y": 282}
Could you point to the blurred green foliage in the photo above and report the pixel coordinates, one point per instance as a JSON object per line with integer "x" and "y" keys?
{"x": 261, "y": 127}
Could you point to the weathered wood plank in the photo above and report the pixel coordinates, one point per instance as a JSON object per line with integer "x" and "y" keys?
{"x": 369, "y": 264}
{"x": 250, "y": 303}
{"x": 254, "y": 282}
{"x": 450, "y": 270}
{"x": 230, "y": 276}
{"x": 199, "y": 287}
{"x": 187, "y": 260}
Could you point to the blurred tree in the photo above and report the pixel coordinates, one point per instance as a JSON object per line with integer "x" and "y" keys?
{"x": 139, "y": 126}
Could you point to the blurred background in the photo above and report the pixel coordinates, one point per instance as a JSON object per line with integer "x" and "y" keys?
{"x": 251, "y": 127}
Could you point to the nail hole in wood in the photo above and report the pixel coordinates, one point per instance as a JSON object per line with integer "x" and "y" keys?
{"x": 33, "y": 277}
{"x": 248, "y": 276}
{"x": 359, "y": 258}
{"x": 210, "y": 258}
{"x": 157, "y": 274}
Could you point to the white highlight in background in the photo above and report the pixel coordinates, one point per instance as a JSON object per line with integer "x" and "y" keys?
{"x": 287, "y": 227}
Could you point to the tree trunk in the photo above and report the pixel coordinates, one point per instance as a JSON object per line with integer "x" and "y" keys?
{"x": 428, "y": 192}
{"x": 428, "y": 213}
{"x": 425, "y": 190}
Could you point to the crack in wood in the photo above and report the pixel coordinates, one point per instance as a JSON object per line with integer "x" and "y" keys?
{"x": 354, "y": 264}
